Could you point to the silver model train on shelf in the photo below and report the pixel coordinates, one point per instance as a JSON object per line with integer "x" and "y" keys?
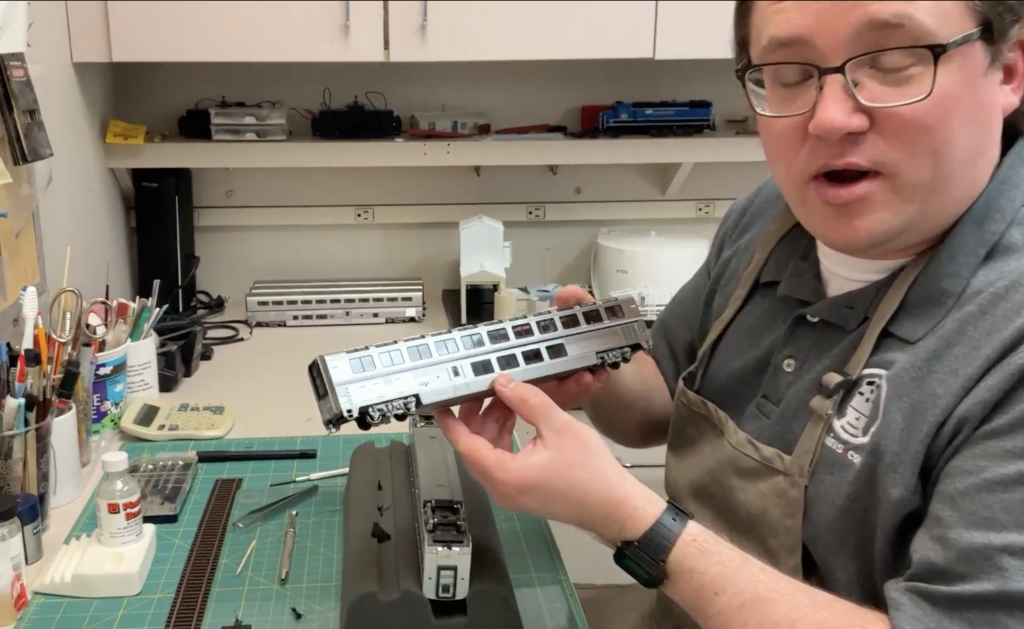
{"x": 373, "y": 385}
{"x": 296, "y": 303}
{"x": 442, "y": 533}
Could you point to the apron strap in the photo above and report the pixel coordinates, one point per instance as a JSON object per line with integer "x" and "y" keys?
{"x": 783, "y": 222}
{"x": 833, "y": 384}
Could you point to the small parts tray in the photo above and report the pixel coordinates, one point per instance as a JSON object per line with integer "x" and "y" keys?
{"x": 165, "y": 478}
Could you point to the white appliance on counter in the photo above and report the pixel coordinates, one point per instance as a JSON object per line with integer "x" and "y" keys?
{"x": 649, "y": 265}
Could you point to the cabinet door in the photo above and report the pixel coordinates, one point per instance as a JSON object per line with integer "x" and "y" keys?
{"x": 694, "y": 29}
{"x": 265, "y": 31}
{"x": 513, "y": 30}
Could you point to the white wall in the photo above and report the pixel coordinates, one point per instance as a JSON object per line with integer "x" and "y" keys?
{"x": 82, "y": 207}
{"x": 510, "y": 94}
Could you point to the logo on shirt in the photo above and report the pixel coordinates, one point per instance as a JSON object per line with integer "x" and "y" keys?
{"x": 858, "y": 414}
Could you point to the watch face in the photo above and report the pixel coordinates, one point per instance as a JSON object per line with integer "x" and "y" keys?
{"x": 640, "y": 567}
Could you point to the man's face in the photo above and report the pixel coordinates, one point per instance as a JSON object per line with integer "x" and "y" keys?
{"x": 910, "y": 171}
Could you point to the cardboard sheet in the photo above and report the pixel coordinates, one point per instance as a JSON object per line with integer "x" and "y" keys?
{"x": 20, "y": 263}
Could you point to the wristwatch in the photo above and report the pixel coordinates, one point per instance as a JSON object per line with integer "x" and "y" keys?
{"x": 644, "y": 559}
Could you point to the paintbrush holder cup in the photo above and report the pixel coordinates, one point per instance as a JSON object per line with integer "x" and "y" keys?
{"x": 25, "y": 464}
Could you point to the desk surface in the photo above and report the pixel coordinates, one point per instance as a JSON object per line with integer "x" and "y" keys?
{"x": 544, "y": 594}
{"x": 264, "y": 379}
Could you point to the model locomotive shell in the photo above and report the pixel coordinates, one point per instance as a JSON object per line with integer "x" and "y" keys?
{"x": 442, "y": 532}
{"x": 372, "y": 385}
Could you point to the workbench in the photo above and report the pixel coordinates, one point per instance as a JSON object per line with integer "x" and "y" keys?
{"x": 273, "y": 364}
{"x": 544, "y": 593}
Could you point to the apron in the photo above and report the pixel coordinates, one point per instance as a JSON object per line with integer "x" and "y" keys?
{"x": 744, "y": 491}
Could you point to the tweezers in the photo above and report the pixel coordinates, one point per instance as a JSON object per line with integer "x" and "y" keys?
{"x": 260, "y": 513}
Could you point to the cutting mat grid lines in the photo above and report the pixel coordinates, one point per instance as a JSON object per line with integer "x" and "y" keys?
{"x": 543, "y": 590}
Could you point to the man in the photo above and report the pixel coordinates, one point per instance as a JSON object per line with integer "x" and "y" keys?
{"x": 846, "y": 434}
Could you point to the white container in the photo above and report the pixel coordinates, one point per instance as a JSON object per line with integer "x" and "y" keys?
{"x": 651, "y": 266}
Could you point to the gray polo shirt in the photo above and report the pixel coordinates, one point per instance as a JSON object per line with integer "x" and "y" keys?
{"x": 916, "y": 504}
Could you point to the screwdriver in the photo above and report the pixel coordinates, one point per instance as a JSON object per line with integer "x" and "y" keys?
{"x": 315, "y": 476}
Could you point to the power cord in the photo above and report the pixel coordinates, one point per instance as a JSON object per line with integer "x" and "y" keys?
{"x": 205, "y": 307}
{"x": 208, "y": 307}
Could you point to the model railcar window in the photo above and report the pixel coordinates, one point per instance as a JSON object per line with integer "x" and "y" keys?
{"x": 391, "y": 358}
{"x": 482, "y": 367}
{"x": 498, "y": 336}
{"x": 473, "y": 341}
{"x": 570, "y": 321}
{"x": 361, "y": 364}
{"x": 522, "y": 331}
{"x": 556, "y": 351}
{"x": 406, "y": 298}
{"x": 532, "y": 357}
{"x": 547, "y": 326}
{"x": 446, "y": 346}
{"x": 364, "y": 300}
{"x": 350, "y": 300}
{"x": 592, "y": 316}
{"x": 508, "y": 361}
{"x": 419, "y": 352}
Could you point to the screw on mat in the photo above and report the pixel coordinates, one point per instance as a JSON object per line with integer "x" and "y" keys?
{"x": 238, "y": 625}
{"x": 298, "y": 615}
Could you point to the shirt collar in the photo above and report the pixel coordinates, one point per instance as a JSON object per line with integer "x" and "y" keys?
{"x": 957, "y": 259}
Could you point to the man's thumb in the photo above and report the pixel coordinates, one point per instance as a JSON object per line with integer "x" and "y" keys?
{"x": 526, "y": 401}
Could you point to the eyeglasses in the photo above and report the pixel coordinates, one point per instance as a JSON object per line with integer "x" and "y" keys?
{"x": 893, "y": 77}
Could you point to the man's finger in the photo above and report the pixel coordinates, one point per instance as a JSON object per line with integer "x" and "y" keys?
{"x": 528, "y": 402}
{"x": 496, "y": 409}
{"x": 572, "y": 295}
{"x": 470, "y": 408}
{"x": 476, "y": 450}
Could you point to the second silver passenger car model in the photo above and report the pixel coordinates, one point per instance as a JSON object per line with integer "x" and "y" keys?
{"x": 334, "y": 302}
{"x": 372, "y": 385}
{"x": 442, "y": 531}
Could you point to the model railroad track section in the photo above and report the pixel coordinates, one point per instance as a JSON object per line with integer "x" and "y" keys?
{"x": 190, "y": 598}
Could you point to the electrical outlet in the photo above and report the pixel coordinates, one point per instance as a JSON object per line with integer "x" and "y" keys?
{"x": 536, "y": 212}
{"x": 705, "y": 209}
{"x": 364, "y": 214}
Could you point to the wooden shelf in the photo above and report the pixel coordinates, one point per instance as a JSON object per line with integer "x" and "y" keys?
{"x": 310, "y": 153}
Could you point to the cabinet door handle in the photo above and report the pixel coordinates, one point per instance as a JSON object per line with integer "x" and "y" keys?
{"x": 425, "y": 13}
{"x": 348, "y": 13}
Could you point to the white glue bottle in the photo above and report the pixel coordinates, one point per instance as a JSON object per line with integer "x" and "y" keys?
{"x": 118, "y": 503}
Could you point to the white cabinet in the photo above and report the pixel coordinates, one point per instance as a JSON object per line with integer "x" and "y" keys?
{"x": 694, "y": 29}
{"x": 264, "y": 31}
{"x": 513, "y": 30}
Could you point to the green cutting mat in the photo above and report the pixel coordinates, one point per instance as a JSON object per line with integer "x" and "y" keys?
{"x": 545, "y": 595}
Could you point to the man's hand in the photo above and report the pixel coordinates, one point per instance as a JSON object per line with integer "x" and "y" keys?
{"x": 575, "y": 390}
{"x": 567, "y": 473}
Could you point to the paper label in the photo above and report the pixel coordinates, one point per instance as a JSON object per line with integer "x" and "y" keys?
{"x": 410, "y": 312}
{"x": 119, "y": 522}
{"x": 12, "y": 563}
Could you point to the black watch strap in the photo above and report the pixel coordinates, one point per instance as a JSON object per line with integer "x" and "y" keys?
{"x": 644, "y": 559}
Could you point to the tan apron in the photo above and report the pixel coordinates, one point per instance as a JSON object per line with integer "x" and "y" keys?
{"x": 748, "y": 493}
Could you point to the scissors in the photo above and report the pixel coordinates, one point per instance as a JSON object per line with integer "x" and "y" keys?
{"x": 69, "y": 325}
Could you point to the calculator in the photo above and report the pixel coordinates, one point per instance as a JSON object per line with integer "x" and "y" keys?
{"x": 153, "y": 420}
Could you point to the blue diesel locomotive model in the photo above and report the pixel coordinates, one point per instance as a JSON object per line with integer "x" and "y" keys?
{"x": 412, "y": 376}
{"x": 657, "y": 118}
